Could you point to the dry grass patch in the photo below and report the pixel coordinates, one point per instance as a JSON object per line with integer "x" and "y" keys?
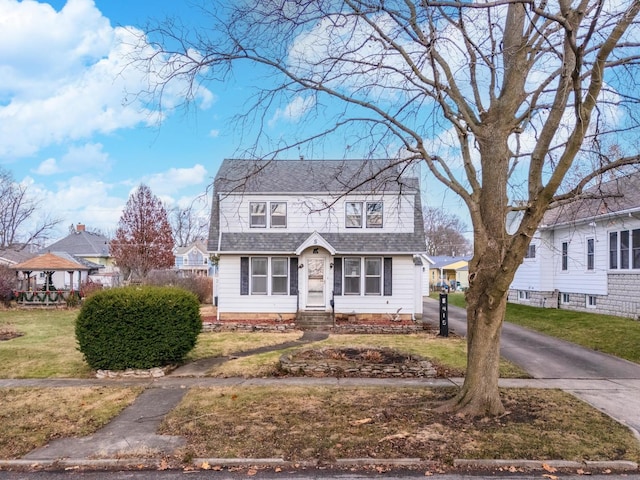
{"x": 218, "y": 344}
{"x": 31, "y": 417}
{"x": 324, "y": 424}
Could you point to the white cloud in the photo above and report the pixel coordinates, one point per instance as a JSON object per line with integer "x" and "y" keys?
{"x": 173, "y": 180}
{"x": 68, "y": 75}
{"x": 294, "y": 110}
{"x": 89, "y": 157}
{"x": 214, "y": 133}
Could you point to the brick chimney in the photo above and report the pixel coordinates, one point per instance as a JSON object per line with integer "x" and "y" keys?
{"x": 80, "y": 227}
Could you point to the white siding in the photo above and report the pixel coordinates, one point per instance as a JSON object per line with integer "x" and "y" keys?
{"x": 318, "y": 213}
{"x": 230, "y": 300}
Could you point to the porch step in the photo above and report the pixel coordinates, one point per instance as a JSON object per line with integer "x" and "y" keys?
{"x": 314, "y": 320}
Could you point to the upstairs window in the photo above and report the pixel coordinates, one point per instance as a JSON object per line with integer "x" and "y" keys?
{"x": 374, "y": 214}
{"x": 278, "y": 214}
{"x": 565, "y": 256}
{"x": 258, "y": 214}
{"x": 353, "y": 214}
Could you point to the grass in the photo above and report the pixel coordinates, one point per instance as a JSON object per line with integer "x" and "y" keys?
{"x": 31, "y": 417}
{"x": 606, "y": 333}
{"x": 47, "y": 349}
{"x": 325, "y": 423}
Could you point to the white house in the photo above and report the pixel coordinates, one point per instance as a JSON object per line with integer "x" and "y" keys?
{"x": 586, "y": 254}
{"x": 336, "y": 238}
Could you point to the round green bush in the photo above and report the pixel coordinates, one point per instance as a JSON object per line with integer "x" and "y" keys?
{"x": 138, "y": 327}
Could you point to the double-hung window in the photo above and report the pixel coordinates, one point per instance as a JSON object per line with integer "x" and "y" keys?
{"x": 353, "y": 214}
{"x": 591, "y": 253}
{"x": 352, "y": 276}
{"x": 613, "y": 250}
{"x": 279, "y": 276}
{"x": 278, "y": 214}
{"x": 635, "y": 248}
{"x": 565, "y": 256}
{"x": 374, "y": 214}
{"x": 372, "y": 276}
{"x": 258, "y": 214}
{"x": 531, "y": 252}
{"x": 259, "y": 275}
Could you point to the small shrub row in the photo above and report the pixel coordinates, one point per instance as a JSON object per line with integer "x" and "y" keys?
{"x": 138, "y": 327}
{"x": 201, "y": 287}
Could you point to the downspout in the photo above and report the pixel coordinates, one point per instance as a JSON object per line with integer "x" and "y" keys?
{"x": 218, "y": 255}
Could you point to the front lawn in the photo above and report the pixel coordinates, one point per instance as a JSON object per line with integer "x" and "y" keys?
{"x": 606, "y": 333}
{"x": 326, "y": 423}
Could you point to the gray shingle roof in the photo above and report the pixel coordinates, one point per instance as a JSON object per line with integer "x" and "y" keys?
{"x": 316, "y": 176}
{"x": 81, "y": 243}
{"x": 305, "y": 176}
{"x": 618, "y": 195}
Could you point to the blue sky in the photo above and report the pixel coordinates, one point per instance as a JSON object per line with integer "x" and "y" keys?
{"x": 70, "y": 130}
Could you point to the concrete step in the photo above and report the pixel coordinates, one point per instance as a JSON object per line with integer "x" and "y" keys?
{"x": 314, "y": 320}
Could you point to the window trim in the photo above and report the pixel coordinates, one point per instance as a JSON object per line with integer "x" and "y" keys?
{"x": 565, "y": 299}
{"x": 524, "y": 295}
{"x": 591, "y": 301}
{"x": 252, "y": 215}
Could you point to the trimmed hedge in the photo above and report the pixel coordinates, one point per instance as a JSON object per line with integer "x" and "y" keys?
{"x": 138, "y": 327}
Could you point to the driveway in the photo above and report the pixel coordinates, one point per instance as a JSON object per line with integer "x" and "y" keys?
{"x": 608, "y": 383}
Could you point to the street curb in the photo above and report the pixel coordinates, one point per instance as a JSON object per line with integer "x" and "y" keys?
{"x": 210, "y": 463}
{"x": 618, "y": 465}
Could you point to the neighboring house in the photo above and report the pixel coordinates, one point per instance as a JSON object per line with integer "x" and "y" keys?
{"x": 91, "y": 249}
{"x": 318, "y": 236}
{"x": 10, "y": 256}
{"x": 448, "y": 272}
{"x": 586, "y": 254}
{"x": 194, "y": 260}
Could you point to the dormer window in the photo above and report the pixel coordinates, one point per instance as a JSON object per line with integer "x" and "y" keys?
{"x": 278, "y": 214}
{"x": 353, "y": 214}
{"x": 258, "y": 214}
{"x": 374, "y": 214}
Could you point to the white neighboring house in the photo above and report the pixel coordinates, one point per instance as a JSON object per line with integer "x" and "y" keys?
{"x": 586, "y": 254}
{"x": 317, "y": 236}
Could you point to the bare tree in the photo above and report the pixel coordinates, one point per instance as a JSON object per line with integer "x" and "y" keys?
{"x": 444, "y": 233}
{"x": 21, "y": 221}
{"x": 189, "y": 223}
{"x": 500, "y": 99}
{"x": 143, "y": 240}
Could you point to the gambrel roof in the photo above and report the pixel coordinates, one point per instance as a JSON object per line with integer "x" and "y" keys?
{"x": 333, "y": 177}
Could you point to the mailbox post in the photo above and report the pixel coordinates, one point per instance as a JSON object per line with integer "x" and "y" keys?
{"x": 444, "y": 315}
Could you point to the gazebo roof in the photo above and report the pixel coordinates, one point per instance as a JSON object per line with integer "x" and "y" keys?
{"x": 50, "y": 262}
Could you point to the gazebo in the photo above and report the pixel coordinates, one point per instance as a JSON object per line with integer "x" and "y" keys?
{"x": 48, "y": 263}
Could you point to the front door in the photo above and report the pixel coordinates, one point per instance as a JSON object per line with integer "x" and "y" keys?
{"x": 315, "y": 282}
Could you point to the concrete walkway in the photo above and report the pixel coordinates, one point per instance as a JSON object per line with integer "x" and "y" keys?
{"x": 609, "y": 384}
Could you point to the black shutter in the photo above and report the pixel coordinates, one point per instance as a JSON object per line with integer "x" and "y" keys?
{"x": 337, "y": 276}
{"x": 293, "y": 276}
{"x": 388, "y": 274}
{"x": 244, "y": 275}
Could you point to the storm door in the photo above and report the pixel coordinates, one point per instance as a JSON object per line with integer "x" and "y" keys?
{"x": 315, "y": 282}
